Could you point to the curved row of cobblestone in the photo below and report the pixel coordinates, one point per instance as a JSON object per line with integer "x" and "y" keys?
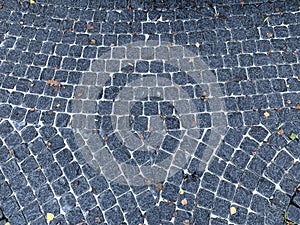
{"x": 67, "y": 72}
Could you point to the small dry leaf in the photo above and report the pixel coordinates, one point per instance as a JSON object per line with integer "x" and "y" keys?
{"x": 289, "y": 102}
{"x": 31, "y": 85}
{"x": 54, "y": 83}
{"x": 280, "y": 131}
{"x": 21, "y": 22}
{"x": 181, "y": 191}
{"x": 92, "y": 42}
{"x": 192, "y": 59}
{"x": 266, "y": 18}
{"x": 232, "y": 210}
{"x": 266, "y": 114}
{"x": 32, "y": 109}
{"x": 32, "y": 2}
{"x": 242, "y": 3}
{"x": 48, "y": 143}
{"x": 105, "y": 138}
{"x": 197, "y": 44}
{"x": 186, "y": 222}
{"x": 57, "y": 105}
{"x": 40, "y": 167}
{"x": 297, "y": 106}
{"x": 174, "y": 213}
{"x": 112, "y": 45}
{"x": 1, "y": 6}
{"x": 269, "y": 53}
{"x": 90, "y": 26}
{"x": 176, "y": 86}
{"x": 269, "y": 35}
{"x": 97, "y": 220}
{"x": 277, "y": 9}
{"x": 49, "y": 217}
{"x": 10, "y": 152}
{"x": 184, "y": 201}
{"x": 158, "y": 186}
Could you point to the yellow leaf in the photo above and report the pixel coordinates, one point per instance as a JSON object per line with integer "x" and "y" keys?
{"x": 266, "y": 18}
{"x": 197, "y": 44}
{"x": 49, "y": 217}
{"x": 232, "y": 210}
{"x": 32, "y": 2}
{"x": 266, "y": 114}
{"x": 7, "y": 223}
{"x": 181, "y": 192}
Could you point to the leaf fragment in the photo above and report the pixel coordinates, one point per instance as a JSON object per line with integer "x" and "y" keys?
{"x": 197, "y": 44}
{"x": 266, "y": 18}
{"x": 32, "y": 2}
{"x": 269, "y": 35}
{"x": 92, "y": 42}
{"x": 297, "y": 106}
{"x": 266, "y": 114}
{"x": 186, "y": 222}
{"x": 49, "y": 217}
{"x": 181, "y": 191}
{"x": 158, "y": 186}
{"x": 184, "y": 201}
{"x": 232, "y": 210}
{"x": 280, "y": 131}
{"x": 90, "y": 26}
{"x": 293, "y": 136}
{"x": 54, "y": 83}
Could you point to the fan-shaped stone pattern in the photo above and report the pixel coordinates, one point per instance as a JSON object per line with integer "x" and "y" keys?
{"x": 253, "y": 57}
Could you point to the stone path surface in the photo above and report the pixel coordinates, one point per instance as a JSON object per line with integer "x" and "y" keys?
{"x": 149, "y": 112}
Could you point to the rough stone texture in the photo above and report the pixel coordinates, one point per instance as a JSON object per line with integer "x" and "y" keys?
{"x": 58, "y": 112}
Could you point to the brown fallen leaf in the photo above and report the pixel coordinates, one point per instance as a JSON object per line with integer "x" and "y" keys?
{"x": 269, "y": 35}
{"x": 277, "y": 9}
{"x": 158, "y": 186}
{"x": 90, "y": 26}
{"x": 192, "y": 59}
{"x": 92, "y": 42}
{"x": 280, "y": 131}
{"x": 289, "y": 102}
{"x": 297, "y": 106}
{"x": 54, "y": 83}
{"x": 97, "y": 220}
{"x": 174, "y": 213}
{"x": 184, "y": 201}
{"x": 10, "y": 152}
{"x": 186, "y": 222}
{"x": 48, "y": 143}
{"x": 1, "y": 6}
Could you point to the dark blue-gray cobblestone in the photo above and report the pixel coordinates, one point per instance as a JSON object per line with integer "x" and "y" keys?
{"x": 255, "y": 60}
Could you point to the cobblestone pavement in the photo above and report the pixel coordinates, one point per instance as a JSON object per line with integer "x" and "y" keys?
{"x": 141, "y": 112}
